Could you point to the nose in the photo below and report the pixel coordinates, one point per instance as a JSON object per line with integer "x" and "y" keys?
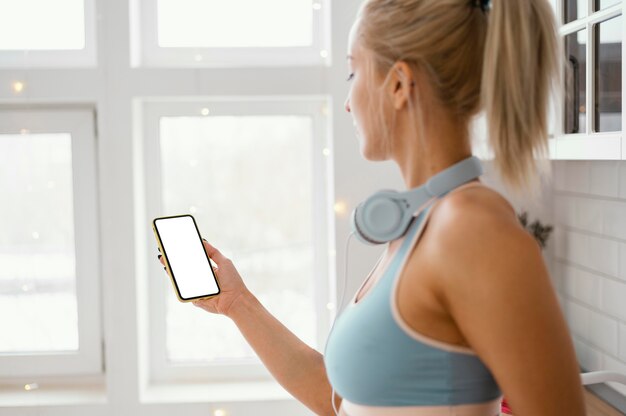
{"x": 347, "y": 105}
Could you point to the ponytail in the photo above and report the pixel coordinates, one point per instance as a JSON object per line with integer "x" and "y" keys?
{"x": 521, "y": 73}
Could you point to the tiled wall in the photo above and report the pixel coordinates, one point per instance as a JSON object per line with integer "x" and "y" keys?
{"x": 589, "y": 258}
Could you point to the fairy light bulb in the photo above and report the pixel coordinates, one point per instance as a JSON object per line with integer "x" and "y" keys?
{"x": 340, "y": 208}
{"x": 18, "y": 87}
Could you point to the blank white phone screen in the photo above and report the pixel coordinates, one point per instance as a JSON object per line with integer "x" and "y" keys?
{"x": 186, "y": 256}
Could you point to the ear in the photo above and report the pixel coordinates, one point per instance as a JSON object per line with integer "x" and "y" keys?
{"x": 401, "y": 84}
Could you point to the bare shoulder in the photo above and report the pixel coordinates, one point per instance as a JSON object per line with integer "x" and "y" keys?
{"x": 478, "y": 209}
{"x": 476, "y": 231}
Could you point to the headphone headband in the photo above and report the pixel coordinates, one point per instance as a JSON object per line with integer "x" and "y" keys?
{"x": 386, "y": 215}
{"x": 454, "y": 176}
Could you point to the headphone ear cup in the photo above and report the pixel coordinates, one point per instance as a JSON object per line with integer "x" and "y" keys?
{"x": 380, "y": 218}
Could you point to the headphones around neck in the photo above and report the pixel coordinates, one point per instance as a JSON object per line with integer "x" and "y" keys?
{"x": 386, "y": 215}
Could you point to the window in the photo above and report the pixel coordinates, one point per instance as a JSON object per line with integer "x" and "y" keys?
{"x": 116, "y": 271}
{"x": 254, "y": 175}
{"x": 576, "y": 82}
{"x": 198, "y": 33}
{"x": 58, "y": 33}
{"x": 49, "y": 307}
{"x": 592, "y": 112}
{"x": 608, "y": 63}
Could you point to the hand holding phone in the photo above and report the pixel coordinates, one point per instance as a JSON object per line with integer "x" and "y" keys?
{"x": 186, "y": 260}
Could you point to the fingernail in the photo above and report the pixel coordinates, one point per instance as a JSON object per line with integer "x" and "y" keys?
{"x": 159, "y": 256}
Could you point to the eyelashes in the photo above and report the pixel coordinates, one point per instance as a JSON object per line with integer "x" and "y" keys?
{"x": 350, "y": 77}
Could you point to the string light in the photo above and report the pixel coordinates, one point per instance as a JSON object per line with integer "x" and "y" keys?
{"x": 198, "y": 58}
{"x": 324, "y": 53}
{"x": 340, "y": 208}
{"x": 317, "y": 6}
{"x": 326, "y": 151}
{"x": 205, "y": 112}
{"x": 18, "y": 87}
{"x": 31, "y": 386}
{"x": 24, "y": 131}
{"x": 219, "y": 412}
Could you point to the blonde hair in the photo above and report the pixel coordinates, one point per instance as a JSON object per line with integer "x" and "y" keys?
{"x": 504, "y": 60}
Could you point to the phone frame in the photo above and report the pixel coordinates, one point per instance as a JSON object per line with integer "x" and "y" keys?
{"x": 167, "y": 263}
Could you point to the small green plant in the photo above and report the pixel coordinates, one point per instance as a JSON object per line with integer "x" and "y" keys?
{"x": 536, "y": 229}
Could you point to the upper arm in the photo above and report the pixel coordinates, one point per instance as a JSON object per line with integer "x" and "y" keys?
{"x": 498, "y": 292}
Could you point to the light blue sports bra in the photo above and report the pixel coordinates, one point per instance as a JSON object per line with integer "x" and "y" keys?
{"x": 373, "y": 358}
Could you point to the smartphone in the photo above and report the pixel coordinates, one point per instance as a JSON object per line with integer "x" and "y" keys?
{"x": 186, "y": 261}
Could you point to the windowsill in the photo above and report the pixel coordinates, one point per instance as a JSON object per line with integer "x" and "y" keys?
{"x": 13, "y": 394}
{"x": 263, "y": 390}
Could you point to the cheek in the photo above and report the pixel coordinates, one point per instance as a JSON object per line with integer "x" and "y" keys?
{"x": 359, "y": 104}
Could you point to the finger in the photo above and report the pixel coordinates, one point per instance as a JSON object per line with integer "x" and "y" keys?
{"x": 213, "y": 253}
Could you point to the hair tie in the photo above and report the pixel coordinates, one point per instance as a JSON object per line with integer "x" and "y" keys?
{"x": 485, "y": 5}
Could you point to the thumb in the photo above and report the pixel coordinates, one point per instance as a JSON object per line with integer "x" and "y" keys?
{"x": 214, "y": 253}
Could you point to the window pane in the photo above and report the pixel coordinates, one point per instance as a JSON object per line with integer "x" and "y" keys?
{"x": 37, "y": 278}
{"x": 234, "y": 23}
{"x": 574, "y": 9}
{"x": 575, "y": 82}
{"x": 608, "y": 97}
{"x": 42, "y": 24}
{"x": 603, "y": 4}
{"x": 248, "y": 182}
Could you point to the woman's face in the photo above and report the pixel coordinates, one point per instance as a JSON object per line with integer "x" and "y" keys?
{"x": 363, "y": 100}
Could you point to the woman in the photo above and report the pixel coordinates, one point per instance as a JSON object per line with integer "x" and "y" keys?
{"x": 466, "y": 289}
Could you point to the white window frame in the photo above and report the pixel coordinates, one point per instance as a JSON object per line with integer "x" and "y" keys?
{"x": 86, "y": 57}
{"x": 79, "y": 123}
{"x": 316, "y": 107}
{"x": 147, "y": 52}
{"x": 590, "y": 145}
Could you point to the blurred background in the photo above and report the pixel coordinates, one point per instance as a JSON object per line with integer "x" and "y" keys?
{"x": 115, "y": 112}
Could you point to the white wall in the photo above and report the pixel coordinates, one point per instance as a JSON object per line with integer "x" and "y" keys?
{"x": 590, "y": 259}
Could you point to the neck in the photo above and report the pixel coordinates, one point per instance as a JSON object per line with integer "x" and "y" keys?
{"x": 443, "y": 144}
